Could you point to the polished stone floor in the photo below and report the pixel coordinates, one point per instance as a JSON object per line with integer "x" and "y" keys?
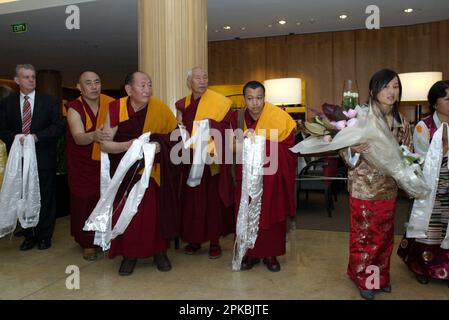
{"x": 313, "y": 268}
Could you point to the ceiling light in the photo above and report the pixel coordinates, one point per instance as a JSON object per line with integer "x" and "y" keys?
{"x": 6, "y": 1}
{"x": 216, "y": 30}
{"x": 408, "y": 10}
{"x": 227, "y": 27}
{"x": 298, "y": 23}
{"x": 282, "y": 22}
{"x": 342, "y": 16}
{"x": 243, "y": 28}
{"x": 269, "y": 26}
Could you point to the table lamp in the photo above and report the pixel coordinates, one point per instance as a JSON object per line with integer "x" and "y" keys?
{"x": 415, "y": 87}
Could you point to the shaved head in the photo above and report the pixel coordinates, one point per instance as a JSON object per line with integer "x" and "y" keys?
{"x": 139, "y": 87}
{"x": 87, "y": 73}
{"x": 129, "y": 79}
{"x": 89, "y": 85}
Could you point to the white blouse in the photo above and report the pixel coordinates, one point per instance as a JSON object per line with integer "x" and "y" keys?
{"x": 421, "y": 136}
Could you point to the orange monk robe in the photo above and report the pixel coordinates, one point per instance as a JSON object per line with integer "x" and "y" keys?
{"x": 278, "y": 201}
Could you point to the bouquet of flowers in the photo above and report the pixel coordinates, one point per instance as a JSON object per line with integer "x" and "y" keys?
{"x": 411, "y": 158}
{"x": 333, "y": 120}
{"x": 339, "y": 128}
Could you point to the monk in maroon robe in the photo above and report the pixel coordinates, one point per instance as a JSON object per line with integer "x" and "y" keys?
{"x": 85, "y": 117}
{"x": 207, "y": 212}
{"x": 129, "y": 117}
{"x": 278, "y": 189}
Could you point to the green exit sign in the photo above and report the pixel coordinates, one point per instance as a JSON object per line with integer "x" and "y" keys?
{"x": 19, "y": 27}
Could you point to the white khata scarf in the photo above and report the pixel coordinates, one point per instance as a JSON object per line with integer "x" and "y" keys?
{"x": 20, "y": 194}
{"x": 253, "y": 158}
{"x": 100, "y": 219}
{"x": 422, "y": 208}
{"x": 200, "y": 139}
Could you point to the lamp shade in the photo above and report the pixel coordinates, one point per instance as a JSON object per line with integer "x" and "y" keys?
{"x": 283, "y": 91}
{"x": 416, "y": 85}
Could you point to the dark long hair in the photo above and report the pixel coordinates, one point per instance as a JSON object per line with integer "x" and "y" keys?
{"x": 379, "y": 81}
{"x": 438, "y": 90}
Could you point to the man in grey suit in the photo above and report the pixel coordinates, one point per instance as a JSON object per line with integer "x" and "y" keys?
{"x": 35, "y": 113}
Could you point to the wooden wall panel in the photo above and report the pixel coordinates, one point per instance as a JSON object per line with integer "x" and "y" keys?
{"x": 276, "y": 65}
{"x": 416, "y": 48}
{"x": 310, "y": 58}
{"x": 375, "y": 50}
{"x": 237, "y": 61}
{"x": 324, "y": 60}
{"x": 343, "y": 61}
{"x": 439, "y": 47}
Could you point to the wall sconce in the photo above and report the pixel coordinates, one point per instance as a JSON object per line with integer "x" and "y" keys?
{"x": 415, "y": 87}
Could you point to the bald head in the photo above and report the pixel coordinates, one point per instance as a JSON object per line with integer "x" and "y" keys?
{"x": 130, "y": 77}
{"x": 139, "y": 87}
{"x": 86, "y": 73}
{"x": 197, "y": 81}
{"x": 89, "y": 85}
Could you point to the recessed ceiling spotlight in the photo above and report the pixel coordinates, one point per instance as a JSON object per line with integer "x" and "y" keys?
{"x": 227, "y": 27}
{"x": 216, "y": 30}
{"x": 269, "y": 26}
{"x": 408, "y": 10}
{"x": 243, "y": 28}
{"x": 312, "y": 20}
{"x": 343, "y": 16}
{"x": 298, "y": 23}
{"x": 282, "y": 22}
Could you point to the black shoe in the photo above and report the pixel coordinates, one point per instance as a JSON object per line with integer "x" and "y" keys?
{"x": 249, "y": 263}
{"x": 422, "y": 279}
{"x": 127, "y": 266}
{"x": 272, "y": 264}
{"x": 387, "y": 289}
{"x": 44, "y": 244}
{"x": 162, "y": 262}
{"x": 27, "y": 244}
{"x": 367, "y": 294}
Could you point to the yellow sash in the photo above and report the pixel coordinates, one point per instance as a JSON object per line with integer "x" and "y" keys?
{"x": 212, "y": 106}
{"x": 101, "y": 117}
{"x": 275, "y": 118}
{"x": 159, "y": 119}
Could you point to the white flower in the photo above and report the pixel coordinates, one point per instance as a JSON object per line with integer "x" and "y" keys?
{"x": 350, "y": 94}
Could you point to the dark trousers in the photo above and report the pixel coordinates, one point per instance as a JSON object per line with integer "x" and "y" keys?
{"x": 47, "y": 215}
